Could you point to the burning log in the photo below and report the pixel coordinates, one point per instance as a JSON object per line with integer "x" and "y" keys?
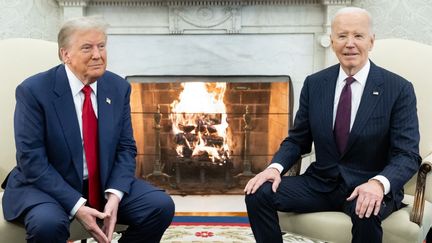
{"x": 186, "y": 139}
{"x": 199, "y": 123}
{"x": 187, "y": 152}
{"x": 212, "y": 129}
{"x": 213, "y": 140}
{"x": 186, "y": 128}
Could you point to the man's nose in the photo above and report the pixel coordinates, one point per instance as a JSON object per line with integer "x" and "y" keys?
{"x": 350, "y": 41}
{"x": 96, "y": 52}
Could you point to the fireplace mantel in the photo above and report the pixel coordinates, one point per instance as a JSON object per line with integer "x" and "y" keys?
{"x": 68, "y": 3}
{"x": 211, "y": 16}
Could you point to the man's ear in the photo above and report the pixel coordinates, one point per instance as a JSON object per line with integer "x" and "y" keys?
{"x": 372, "y": 42}
{"x": 64, "y": 54}
{"x": 331, "y": 42}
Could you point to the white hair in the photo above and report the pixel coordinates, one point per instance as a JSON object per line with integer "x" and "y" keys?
{"x": 347, "y": 10}
{"x": 80, "y": 23}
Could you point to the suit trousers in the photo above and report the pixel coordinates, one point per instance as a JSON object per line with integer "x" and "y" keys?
{"x": 147, "y": 213}
{"x": 295, "y": 194}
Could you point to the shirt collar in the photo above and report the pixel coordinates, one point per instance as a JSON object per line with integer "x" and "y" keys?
{"x": 360, "y": 76}
{"x": 75, "y": 84}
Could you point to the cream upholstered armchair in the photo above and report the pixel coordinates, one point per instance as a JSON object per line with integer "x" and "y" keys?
{"x": 19, "y": 59}
{"x": 412, "y": 223}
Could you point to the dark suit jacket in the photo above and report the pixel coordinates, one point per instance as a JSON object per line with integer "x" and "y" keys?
{"x": 384, "y": 138}
{"x": 49, "y": 146}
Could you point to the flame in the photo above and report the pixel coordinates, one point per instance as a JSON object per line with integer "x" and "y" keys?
{"x": 200, "y": 115}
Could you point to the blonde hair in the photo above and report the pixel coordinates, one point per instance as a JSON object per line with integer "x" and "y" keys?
{"x": 72, "y": 25}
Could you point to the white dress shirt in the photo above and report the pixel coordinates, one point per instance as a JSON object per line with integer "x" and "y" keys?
{"x": 78, "y": 97}
{"x": 357, "y": 88}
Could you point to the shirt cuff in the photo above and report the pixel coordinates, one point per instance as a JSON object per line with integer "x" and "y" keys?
{"x": 118, "y": 193}
{"x": 277, "y": 166}
{"x": 384, "y": 181}
{"x": 74, "y": 210}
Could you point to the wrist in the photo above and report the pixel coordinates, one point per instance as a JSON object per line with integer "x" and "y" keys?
{"x": 378, "y": 182}
{"x": 273, "y": 168}
{"x": 113, "y": 196}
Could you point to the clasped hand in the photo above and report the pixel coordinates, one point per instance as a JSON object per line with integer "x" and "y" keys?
{"x": 88, "y": 216}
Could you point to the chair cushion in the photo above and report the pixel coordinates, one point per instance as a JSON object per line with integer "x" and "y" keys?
{"x": 336, "y": 226}
{"x": 10, "y": 232}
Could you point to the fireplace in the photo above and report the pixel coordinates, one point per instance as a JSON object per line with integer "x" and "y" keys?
{"x": 207, "y": 134}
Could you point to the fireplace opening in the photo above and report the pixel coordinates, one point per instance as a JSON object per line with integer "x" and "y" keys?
{"x": 207, "y": 134}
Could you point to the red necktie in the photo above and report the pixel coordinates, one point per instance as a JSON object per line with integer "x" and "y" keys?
{"x": 90, "y": 137}
{"x": 343, "y": 116}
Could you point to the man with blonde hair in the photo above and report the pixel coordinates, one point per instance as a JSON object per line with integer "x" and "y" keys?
{"x": 76, "y": 151}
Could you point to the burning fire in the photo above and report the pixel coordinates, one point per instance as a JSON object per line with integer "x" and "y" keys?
{"x": 199, "y": 122}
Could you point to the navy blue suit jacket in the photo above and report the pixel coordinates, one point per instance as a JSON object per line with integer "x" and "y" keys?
{"x": 383, "y": 140}
{"x": 49, "y": 146}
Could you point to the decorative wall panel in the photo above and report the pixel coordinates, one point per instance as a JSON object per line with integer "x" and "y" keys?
{"x": 400, "y": 18}
{"x": 37, "y": 19}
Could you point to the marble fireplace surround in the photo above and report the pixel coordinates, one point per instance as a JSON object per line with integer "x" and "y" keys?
{"x": 215, "y": 37}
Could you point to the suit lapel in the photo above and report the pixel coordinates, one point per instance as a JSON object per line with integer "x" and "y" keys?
{"x": 106, "y": 102}
{"x": 328, "y": 93}
{"x": 371, "y": 95}
{"x": 65, "y": 108}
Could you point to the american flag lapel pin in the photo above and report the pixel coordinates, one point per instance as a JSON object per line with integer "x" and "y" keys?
{"x": 108, "y": 100}
{"x": 375, "y": 93}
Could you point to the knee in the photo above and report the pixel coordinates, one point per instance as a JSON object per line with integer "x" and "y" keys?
{"x": 370, "y": 221}
{"x": 364, "y": 221}
{"x": 162, "y": 210}
{"x": 262, "y": 195}
{"x": 48, "y": 229}
{"x": 166, "y": 209}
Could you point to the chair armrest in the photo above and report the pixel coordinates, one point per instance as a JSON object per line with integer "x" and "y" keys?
{"x": 295, "y": 169}
{"x": 419, "y": 195}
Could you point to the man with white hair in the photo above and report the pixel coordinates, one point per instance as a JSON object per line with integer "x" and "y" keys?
{"x": 363, "y": 122}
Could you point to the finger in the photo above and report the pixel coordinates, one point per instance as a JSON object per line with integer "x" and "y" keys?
{"x": 370, "y": 209}
{"x": 275, "y": 184}
{"x": 249, "y": 185}
{"x": 100, "y": 215}
{"x": 110, "y": 230}
{"x": 257, "y": 185}
{"x": 377, "y": 207}
{"x": 99, "y": 235}
{"x": 363, "y": 207}
{"x": 104, "y": 228}
{"x": 107, "y": 213}
{"x": 353, "y": 195}
{"x": 100, "y": 239}
{"x": 359, "y": 202}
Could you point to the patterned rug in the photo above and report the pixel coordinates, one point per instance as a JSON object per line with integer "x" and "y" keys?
{"x": 217, "y": 228}
{"x": 219, "y": 234}
{"x": 222, "y": 228}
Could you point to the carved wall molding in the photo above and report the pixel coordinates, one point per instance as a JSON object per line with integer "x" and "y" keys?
{"x": 336, "y": 2}
{"x": 145, "y": 3}
{"x": 73, "y": 3}
{"x": 138, "y": 3}
{"x": 226, "y": 18}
